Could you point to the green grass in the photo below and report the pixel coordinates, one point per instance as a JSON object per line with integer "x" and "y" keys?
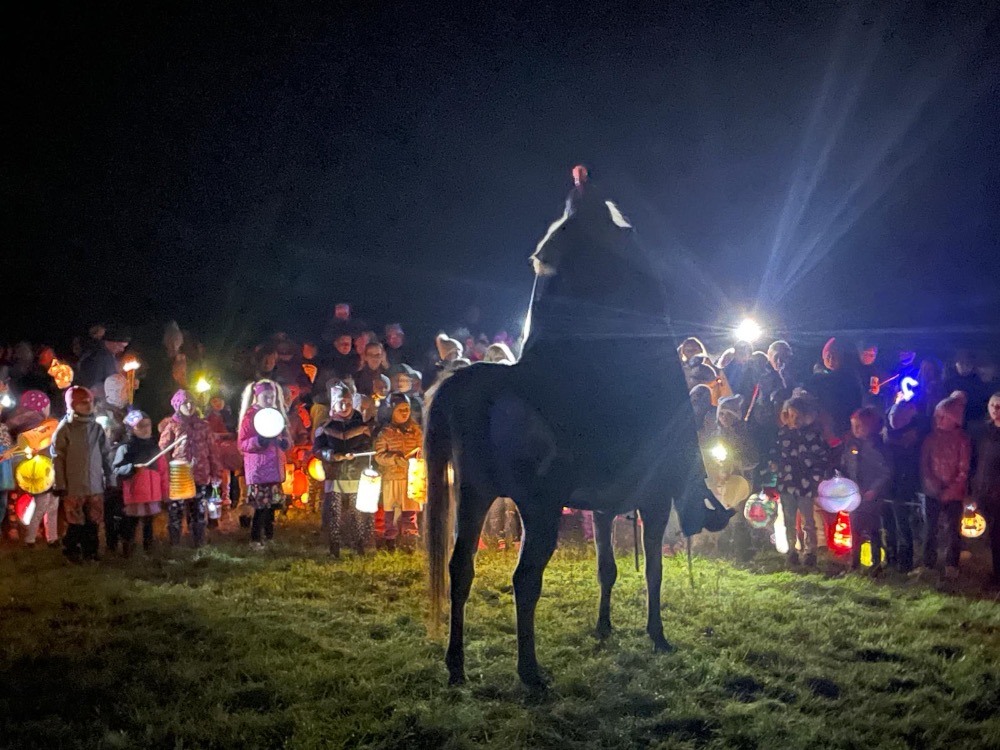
{"x": 233, "y": 649}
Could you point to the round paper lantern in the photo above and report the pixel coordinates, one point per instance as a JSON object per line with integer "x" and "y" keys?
{"x": 735, "y": 490}
{"x": 24, "y": 506}
{"x": 61, "y": 373}
{"x": 36, "y": 475}
{"x": 416, "y": 480}
{"x": 973, "y": 523}
{"x": 369, "y": 490}
{"x": 780, "y": 535}
{"x": 316, "y": 470}
{"x": 268, "y": 423}
{"x": 838, "y": 494}
{"x": 182, "y": 485}
{"x": 760, "y": 510}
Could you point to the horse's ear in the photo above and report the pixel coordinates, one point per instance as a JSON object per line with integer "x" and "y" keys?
{"x": 617, "y": 216}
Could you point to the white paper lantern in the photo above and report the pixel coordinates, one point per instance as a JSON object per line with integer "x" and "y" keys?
{"x": 369, "y": 489}
{"x": 268, "y": 423}
{"x": 838, "y": 494}
{"x": 780, "y": 536}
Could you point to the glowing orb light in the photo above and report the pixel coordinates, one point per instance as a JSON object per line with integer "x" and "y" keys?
{"x": 268, "y": 423}
{"x": 719, "y": 452}
{"x": 203, "y": 386}
{"x": 748, "y": 330}
{"x": 838, "y": 494}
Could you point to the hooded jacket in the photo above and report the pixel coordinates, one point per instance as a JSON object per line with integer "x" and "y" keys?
{"x": 946, "y": 456}
{"x": 145, "y": 484}
{"x": 263, "y": 460}
{"x": 81, "y": 456}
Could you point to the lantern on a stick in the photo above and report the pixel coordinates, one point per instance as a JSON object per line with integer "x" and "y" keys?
{"x": 369, "y": 491}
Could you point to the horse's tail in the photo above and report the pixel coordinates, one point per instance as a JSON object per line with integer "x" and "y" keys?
{"x": 437, "y": 452}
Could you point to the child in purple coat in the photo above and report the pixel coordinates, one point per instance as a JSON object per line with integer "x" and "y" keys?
{"x": 263, "y": 458}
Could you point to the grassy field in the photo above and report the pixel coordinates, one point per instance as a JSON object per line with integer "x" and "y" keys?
{"x": 228, "y": 648}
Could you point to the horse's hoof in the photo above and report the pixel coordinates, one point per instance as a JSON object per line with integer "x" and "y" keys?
{"x": 456, "y": 680}
{"x": 662, "y": 646}
{"x": 602, "y": 632}
{"x": 535, "y": 680}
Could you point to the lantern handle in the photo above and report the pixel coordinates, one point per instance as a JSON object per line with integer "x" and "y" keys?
{"x": 166, "y": 450}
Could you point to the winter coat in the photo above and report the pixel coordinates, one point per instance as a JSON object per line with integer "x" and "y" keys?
{"x": 867, "y": 463}
{"x": 263, "y": 459}
{"x": 802, "y": 458}
{"x": 904, "y": 447}
{"x": 81, "y": 456}
{"x": 986, "y": 486}
{"x": 392, "y": 446}
{"x": 199, "y": 449}
{"x": 337, "y": 436}
{"x": 141, "y": 484}
{"x": 944, "y": 464}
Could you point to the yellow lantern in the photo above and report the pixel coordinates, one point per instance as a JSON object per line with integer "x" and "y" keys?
{"x": 310, "y": 370}
{"x": 61, "y": 373}
{"x": 316, "y": 470}
{"x": 416, "y": 480}
{"x": 369, "y": 490}
{"x": 866, "y": 554}
{"x": 182, "y": 486}
{"x": 36, "y": 475}
{"x": 973, "y": 523}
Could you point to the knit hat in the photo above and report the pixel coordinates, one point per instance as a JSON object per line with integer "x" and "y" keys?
{"x": 76, "y": 392}
{"x": 180, "y": 398}
{"x": 952, "y": 408}
{"x": 448, "y": 348}
{"x": 134, "y": 417}
{"x": 35, "y": 401}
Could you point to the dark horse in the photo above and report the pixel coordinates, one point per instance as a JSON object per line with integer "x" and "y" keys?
{"x": 566, "y": 427}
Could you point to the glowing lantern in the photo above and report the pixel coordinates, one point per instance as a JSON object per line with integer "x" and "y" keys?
{"x": 310, "y": 370}
{"x": 838, "y": 494}
{"x": 38, "y": 439}
{"x": 866, "y": 554}
{"x": 780, "y": 534}
{"x": 36, "y": 475}
{"x": 24, "y": 506}
{"x": 748, "y": 330}
{"x": 973, "y": 523}
{"x": 841, "y": 542}
{"x": 61, "y": 373}
{"x": 202, "y": 386}
{"x": 369, "y": 490}
{"x": 907, "y": 386}
{"x": 719, "y": 452}
{"x": 295, "y": 482}
{"x": 760, "y": 510}
{"x": 416, "y": 480}
{"x": 316, "y": 470}
{"x": 182, "y": 485}
{"x": 268, "y": 423}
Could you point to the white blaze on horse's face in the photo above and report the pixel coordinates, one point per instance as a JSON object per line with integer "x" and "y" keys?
{"x": 545, "y": 258}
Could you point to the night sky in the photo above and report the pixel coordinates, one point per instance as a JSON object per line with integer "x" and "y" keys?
{"x": 834, "y": 165}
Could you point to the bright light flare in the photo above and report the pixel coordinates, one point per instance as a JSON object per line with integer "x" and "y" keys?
{"x": 203, "y": 386}
{"x": 719, "y": 452}
{"x": 748, "y": 330}
{"x": 6, "y": 401}
{"x": 130, "y": 365}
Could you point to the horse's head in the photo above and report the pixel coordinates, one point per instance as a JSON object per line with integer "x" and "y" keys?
{"x": 586, "y": 243}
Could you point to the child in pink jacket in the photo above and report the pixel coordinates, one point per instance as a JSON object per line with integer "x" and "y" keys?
{"x": 144, "y": 488}
{"x": 944, "y": 474}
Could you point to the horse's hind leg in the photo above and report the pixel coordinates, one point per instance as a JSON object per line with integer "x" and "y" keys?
{"x": 469, "y": 523}
{"x": 607, "y": 570}
{"x": 538, "y": 542}
{"x": 654, "y": 522}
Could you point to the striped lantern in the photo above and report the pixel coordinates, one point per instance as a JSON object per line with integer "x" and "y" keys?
{"x": 182, "y": 481}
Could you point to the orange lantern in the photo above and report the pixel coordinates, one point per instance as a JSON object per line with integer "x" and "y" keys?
{"x": 973, "y": 523}
{"x": 61, "y": 373}
{"x": 316, "y": 470}
{"x": 296, "y": 483}
{"x": 310, "y": 370}
{"x": 39, "y": 438}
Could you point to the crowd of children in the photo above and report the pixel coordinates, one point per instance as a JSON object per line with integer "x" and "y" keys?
{"x": 921, "y": 440}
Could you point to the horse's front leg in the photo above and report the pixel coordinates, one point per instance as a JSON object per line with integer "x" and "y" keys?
{"x": 607, "y": 569}
{"x": 654, "y": 523}
{"x": 538, "y": 542}
{"x": 471, "y": 512}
